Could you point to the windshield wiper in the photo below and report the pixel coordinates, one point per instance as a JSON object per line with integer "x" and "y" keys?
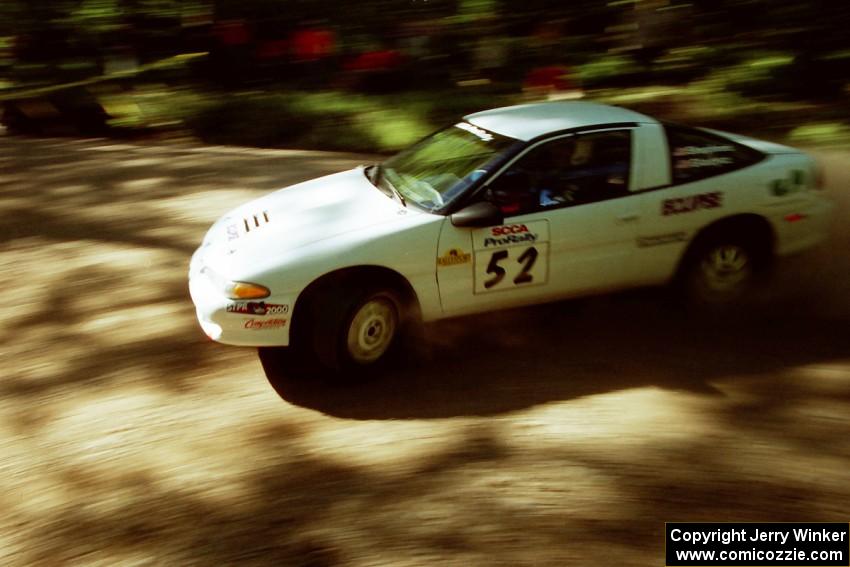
{"x": 397, "y": 193}
{"x": 375, "y": 173}
{"x": 371, "y": 172}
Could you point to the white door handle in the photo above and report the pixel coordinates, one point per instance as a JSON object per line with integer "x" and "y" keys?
{"x": 628, "y": 217}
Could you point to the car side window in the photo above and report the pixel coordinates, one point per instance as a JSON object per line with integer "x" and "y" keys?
{"x": 696, "y": 155}
{"x": 569, "y": 171}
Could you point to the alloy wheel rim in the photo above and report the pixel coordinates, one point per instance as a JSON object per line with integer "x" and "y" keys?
{"x": 372, "y": 330}
{"x": 726, "y": 269}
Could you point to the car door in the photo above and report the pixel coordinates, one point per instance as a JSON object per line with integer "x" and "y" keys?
{"x": 570, "y": 226}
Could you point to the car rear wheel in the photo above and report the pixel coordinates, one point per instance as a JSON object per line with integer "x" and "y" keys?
{"x": 722, "y": 271}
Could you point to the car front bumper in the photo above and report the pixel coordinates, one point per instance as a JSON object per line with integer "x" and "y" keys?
{"x": 221, "y": 321}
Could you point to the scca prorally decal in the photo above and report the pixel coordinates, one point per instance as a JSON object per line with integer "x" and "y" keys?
{"x": 660, "y": 239}
{"x": 454, "y": 257}
{"x": 258, "y": 308}
{"x": 510, "y": 234}
{"x": 692, "y": 203}
{"x": 260, "y": 324}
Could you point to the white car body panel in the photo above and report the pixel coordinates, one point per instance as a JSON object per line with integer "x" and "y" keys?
{"x": 649, "y": 147}
{"x": 301, "y": 215}
{"x": 290, "y": 238}
{"x": 803, "y": 201}
{"x": 575, "y": 252}
{"x": 351, "y": 224}
{"x": 528, "y": 121}
{"x": 663, "y": 238}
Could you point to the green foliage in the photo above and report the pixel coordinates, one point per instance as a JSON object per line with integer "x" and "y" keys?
{"x": 822, "y": 133}
{"x": 326, "y": 120}
{"x": 755, "y": 75}
{"x": 248, "y": 121}
{"x": 749, "y": 60}
{"x": 97, "y": 16}
{"x": 607, "y": 70}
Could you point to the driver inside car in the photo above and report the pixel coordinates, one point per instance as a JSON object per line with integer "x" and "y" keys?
{"x": 567, "y": 172}
{"x": 547, "y": 176}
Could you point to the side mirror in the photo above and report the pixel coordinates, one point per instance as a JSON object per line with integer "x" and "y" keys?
{"x": 478, "y": 215}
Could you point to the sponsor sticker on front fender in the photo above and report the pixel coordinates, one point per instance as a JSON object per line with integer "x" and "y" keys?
{"x": 263, "y": 324}
{"x": 257, "y": 308}
{"x": 454, "y": 257}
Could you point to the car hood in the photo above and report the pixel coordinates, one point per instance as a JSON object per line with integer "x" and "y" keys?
{"x": 301, "y": 214}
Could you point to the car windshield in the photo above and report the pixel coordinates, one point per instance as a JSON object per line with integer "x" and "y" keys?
{"x": 437, "y": 170}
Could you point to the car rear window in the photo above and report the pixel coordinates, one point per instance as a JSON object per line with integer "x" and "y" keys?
{"x": 695, "y": 154}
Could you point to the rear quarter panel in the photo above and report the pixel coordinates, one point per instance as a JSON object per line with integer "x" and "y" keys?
{"x": 798, "y": 212}
{"x": 672, "y": 217}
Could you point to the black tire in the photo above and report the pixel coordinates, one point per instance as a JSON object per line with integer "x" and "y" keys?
{"x": 356, "y": 329}
{"x": 721, "y": 271}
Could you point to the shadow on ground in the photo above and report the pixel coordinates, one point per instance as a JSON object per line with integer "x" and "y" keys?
{"x": 513, "y": 360}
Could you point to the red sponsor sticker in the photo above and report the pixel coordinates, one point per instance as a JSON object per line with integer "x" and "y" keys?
{"x": 260, "y": 324}
{"x": 509, "y": 229}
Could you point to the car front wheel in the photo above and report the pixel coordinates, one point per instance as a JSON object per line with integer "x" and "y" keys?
{"x": 372, "y": 328}
{"x": 355, "y": 329}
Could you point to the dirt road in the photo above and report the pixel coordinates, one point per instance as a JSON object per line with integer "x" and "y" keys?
{"x": 564, "y": 435}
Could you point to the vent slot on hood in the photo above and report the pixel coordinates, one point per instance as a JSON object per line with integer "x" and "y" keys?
{"x": 255, "y": 221}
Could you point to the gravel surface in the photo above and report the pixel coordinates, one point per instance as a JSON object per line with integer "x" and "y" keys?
{"x": 557, "y": 435}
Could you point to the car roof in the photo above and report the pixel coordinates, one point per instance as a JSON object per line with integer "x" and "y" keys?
{"x": 528, "y": 121}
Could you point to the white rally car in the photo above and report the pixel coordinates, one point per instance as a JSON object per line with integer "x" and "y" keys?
{"x": 508, "y": 207}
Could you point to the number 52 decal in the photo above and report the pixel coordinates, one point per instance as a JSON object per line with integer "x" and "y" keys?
{"x": 511, "y": 268}
{"x": 511, "y": 256}
{"x": 527, "y": 259}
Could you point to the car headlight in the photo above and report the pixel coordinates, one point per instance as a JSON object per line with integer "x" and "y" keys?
{"x": 245, "y": 290}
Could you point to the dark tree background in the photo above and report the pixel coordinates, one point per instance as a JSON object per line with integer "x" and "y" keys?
{"x": 58, "y": 39}
{"x": 764, "y": 52}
